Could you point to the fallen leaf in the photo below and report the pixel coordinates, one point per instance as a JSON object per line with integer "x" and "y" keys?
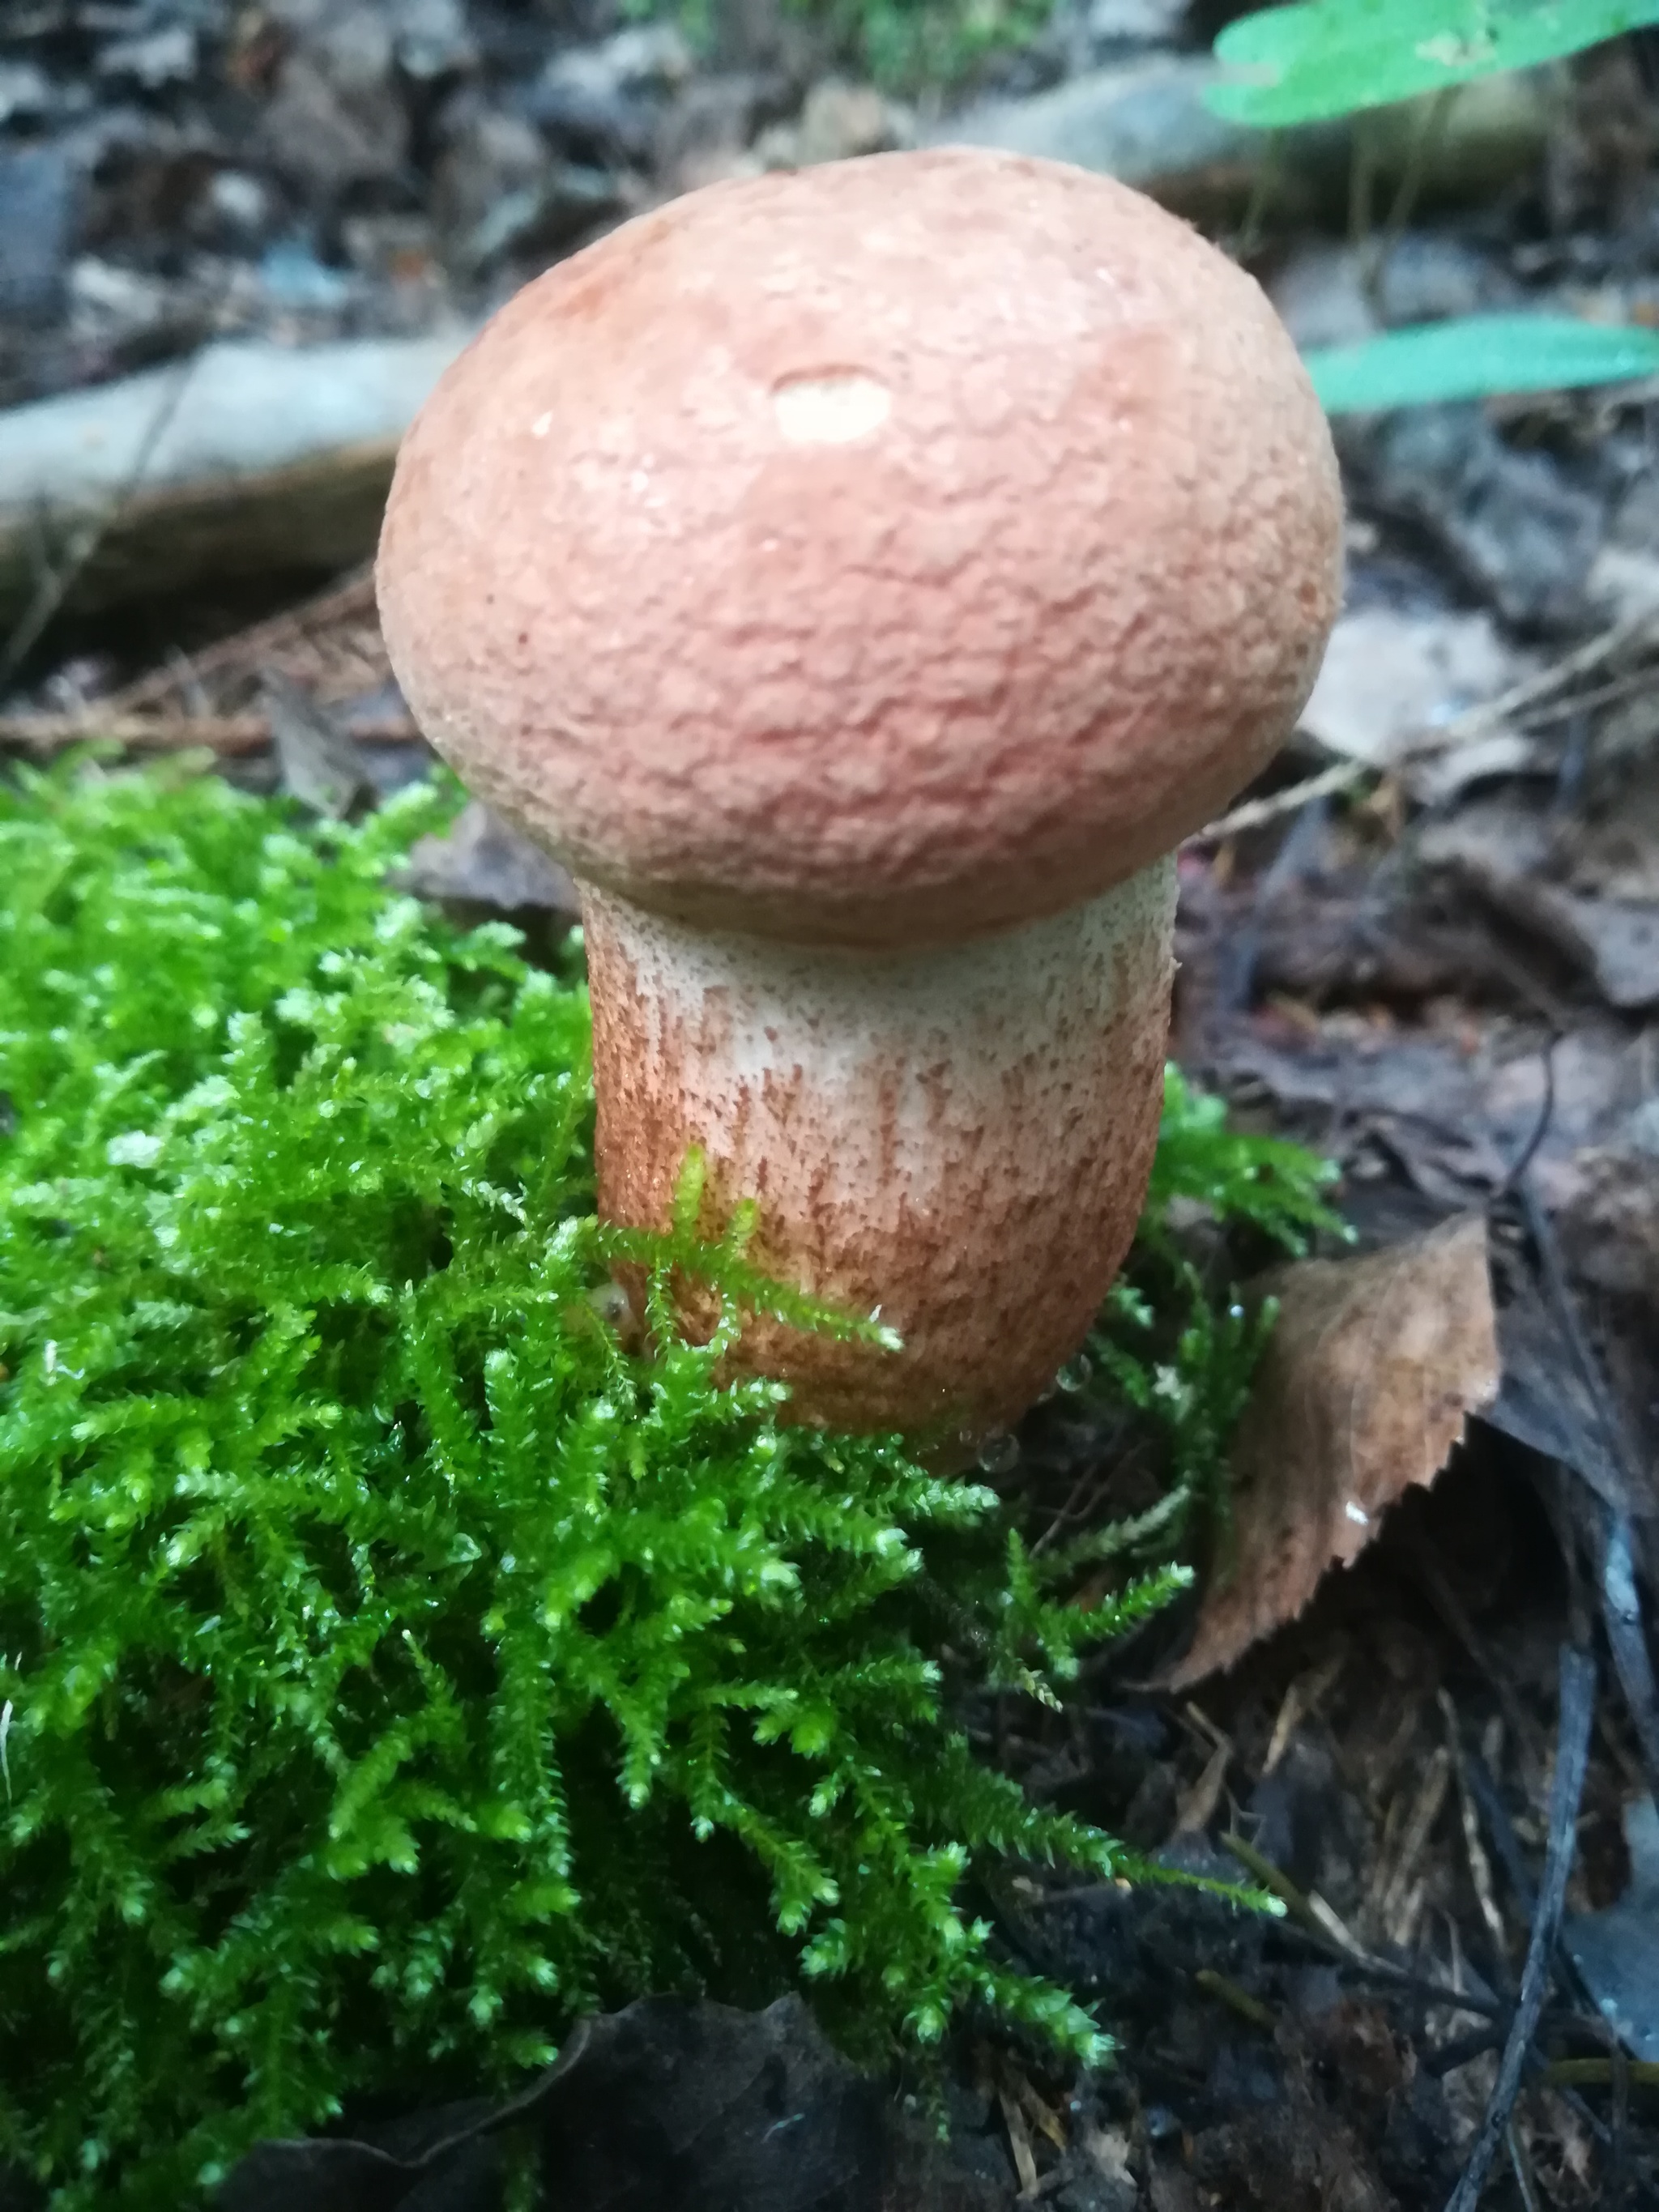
{"x": 485, "y": 862}
{"x": 1500, "y": 849}
{"x": 1373, "y": 1368}
{"x": 1456, "y": 1109}
{"x": 1108, "y": 2150}
{"x": 319, "y": 763}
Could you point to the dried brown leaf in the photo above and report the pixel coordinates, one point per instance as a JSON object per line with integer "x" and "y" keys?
{"x": 1370, "y": 1374}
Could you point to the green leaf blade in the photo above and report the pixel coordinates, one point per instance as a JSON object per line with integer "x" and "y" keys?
{"x": 1478, "y": 357}
{"x": 1315, "y": 60}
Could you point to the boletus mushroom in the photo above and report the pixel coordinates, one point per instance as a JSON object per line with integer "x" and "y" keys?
{"x": 861, "y": 579}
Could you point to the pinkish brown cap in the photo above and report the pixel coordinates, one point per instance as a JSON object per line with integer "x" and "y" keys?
{"x": 887, "y": 553}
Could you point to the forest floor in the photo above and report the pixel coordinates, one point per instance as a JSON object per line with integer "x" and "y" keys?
{"x": 1426, "y": 944}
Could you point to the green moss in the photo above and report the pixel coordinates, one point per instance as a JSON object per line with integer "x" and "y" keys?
{"x": 393, "y": 1661}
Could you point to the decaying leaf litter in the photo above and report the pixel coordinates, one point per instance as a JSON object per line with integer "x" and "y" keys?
{"x": 1428, "y": 946}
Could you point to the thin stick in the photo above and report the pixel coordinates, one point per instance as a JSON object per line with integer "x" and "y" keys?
{"x": 1601, "y": 2073}
{"x": 1474, "y": 1850}
{"x": 248, "y": 649}
{"x": 1261, "y": 185}
{"x": 1255, "y": 812}
{"x": 1522, "y": 2168}
{"x": 1639, "y": 680}
{"x": 1362, "y": 174}
{"x": 1577, "y": 1702}
{"x": 1430, "y": 129}
{"x": 1613, "y": 1547}
{"x": 1475, "y": 721}
{"x": 55, "y": 586}
{"x": 47, "y": 734}
{"x": 1306, "y": 1923}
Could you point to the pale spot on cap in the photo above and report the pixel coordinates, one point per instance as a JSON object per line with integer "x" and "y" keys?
{"x": 838, "y": 410}
{"x": 542, "y": 425}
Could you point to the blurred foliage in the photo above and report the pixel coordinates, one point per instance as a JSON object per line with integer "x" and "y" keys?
{"x": 1319, "y": 58}
{"x": 905, "y": 46}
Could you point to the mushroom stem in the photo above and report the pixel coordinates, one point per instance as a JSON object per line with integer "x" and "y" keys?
{"x": 959, "y": 1136}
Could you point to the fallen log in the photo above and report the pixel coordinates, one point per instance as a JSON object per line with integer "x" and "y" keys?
{"x": 246, "y": 457}
{"x": 1147, "y": 125}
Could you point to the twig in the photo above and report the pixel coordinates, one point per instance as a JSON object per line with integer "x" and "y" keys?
{"x": 55, "y": 586}
{"x": 1618, "y": 2068}
{"x": 1395, "y": 1907}
{"x": 1256, "y": 813}
{"x": 249, "y": 650}
{"x": 1601, "y": 2073}
{"x": 1528, "y": 1152}
{"x": 1300, "y": 1700}
{"x": 1621, "y": 1617}
{"x": 47, "y": 734}
{"x": 1490, "y": 713}
{"x": 1615, "y": 1576}
{"x": 1461, "y": 2049}
{"x": 1605, "y": 695}
{"x": 1474, "y": 1850}
{"x": 1261, "y": 188}
{"x": 1448, "y": 1605}
{"x": 1520, "y": 2166}
{"x": 1362, "y": 174}
{"x": 1577, "y": 1704}
{"x": 1019, "y": 2142}
{"x": 1542, "y": 1233}
{"x": 1306, "y": 1923}
{"x": 1235, "y": 1998}
{"x": 1505, "y": 1842}
{"x": 1236, "y": 979}
{"x": 1431, "y": 128}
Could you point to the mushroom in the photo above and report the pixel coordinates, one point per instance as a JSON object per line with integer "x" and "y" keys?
{"x": 861, "y": 579}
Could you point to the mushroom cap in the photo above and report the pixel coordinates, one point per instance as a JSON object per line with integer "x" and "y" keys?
{"x": 886, "y": 553}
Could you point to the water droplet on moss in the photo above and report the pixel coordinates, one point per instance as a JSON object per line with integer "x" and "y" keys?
{"x": 1075, "y": 1374}
{"x": 999, "y": 1454}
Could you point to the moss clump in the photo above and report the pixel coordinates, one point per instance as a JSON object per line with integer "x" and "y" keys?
{"x": 393, "y": 1661}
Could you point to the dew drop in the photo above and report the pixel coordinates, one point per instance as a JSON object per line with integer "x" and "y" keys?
{"x": 1075, "y": 1375}
{"x": 999, "y": 1454}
